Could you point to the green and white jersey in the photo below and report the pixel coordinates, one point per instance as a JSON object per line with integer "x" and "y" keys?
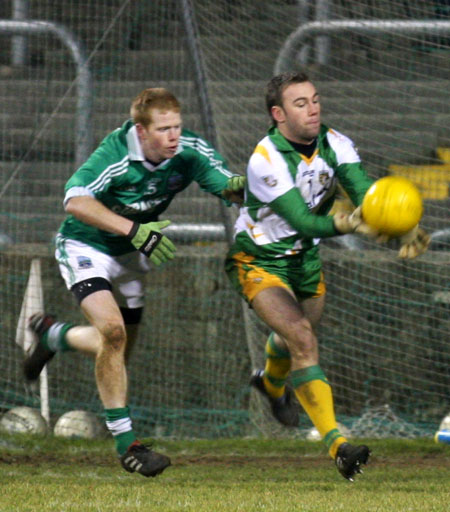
{"x": 118, "y": 175}
{"x": 288, "y": 195}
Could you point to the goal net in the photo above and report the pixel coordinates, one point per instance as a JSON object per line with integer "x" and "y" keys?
{"x": 67, "y": 82}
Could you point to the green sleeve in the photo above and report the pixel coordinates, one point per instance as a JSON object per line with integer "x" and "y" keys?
{"x": 211, "y": 172}
{"x": 88, "y": 174}
{"x": 354, "y": 180}
{"x": 292, "y": 208}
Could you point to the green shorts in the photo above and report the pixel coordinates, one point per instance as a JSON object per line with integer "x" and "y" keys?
{"x": 302, "y": 274}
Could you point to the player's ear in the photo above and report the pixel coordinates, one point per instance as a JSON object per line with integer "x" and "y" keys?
{"x": 141, "y": 131}
{"x": 278, "y": 114}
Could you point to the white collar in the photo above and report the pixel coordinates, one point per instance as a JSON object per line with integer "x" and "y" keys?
{"x": 135, "y": 150}
{"x": 134, "y": 146}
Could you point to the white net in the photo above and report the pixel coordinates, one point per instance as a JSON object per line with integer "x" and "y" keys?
{"x": 387, "y": 89}
{"x": 383, "y": 336}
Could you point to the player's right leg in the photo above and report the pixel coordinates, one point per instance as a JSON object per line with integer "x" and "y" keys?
{"x": 103, "y": 313}
{"x": 271, "y": 382}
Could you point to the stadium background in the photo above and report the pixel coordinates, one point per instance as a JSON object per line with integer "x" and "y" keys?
{"x": 384, "y": 336}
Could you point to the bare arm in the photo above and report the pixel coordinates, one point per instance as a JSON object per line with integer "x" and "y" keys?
{"x": 93, "y": 212}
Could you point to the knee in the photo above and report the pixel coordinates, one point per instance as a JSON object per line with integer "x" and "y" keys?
{"x": 114, "y": 337}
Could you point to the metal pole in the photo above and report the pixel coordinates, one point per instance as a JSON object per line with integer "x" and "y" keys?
{"x": 287, "y": 57}
{"x": 303, "y": 17}
{"x": 322, "y": 43}
{"x": 193, "y": 232}
{"x": 19, "y": 43}
{"x": 202, "y": 88}
{"x": 84, "y": 139}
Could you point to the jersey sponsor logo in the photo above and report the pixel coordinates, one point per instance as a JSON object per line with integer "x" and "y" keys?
{"x": 149, "y": 205}
{"x": 84, "y": 262}
{"x": 139, "y": 206}
{"x": 270, "y": 180}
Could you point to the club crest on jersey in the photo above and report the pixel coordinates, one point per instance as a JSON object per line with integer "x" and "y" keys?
{"x": 175, "y": 182}
{"x": 84, "y": 262}
{"x": 270, "y": 180}
{"x": 324, "y": 177}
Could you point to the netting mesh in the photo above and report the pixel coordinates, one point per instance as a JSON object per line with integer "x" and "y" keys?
{"x": 386, "y": 323}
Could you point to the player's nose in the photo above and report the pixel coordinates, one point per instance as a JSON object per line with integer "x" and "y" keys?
{"x": 313, "y": 109}
{"x": 174, "y": 134}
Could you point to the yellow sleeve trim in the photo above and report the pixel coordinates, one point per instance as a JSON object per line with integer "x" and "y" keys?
{"x": 262, "y": 151}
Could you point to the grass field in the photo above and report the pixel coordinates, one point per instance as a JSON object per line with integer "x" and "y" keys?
{"x": 47, "y": 474}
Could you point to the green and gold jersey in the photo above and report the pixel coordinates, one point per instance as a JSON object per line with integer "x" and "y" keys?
{"x": 118, "y": 175}
{"x": 288, "y": 195}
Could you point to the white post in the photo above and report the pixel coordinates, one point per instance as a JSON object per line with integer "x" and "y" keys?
{"x": 20, "y": 10}
{"x": 323, "y": 42}
{"x": 304, "y": 9}
{"x": 33, "y": 302}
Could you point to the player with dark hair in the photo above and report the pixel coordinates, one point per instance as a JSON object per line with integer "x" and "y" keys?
{"x": 274, "y": 263}
{"x": 112, "y": 229}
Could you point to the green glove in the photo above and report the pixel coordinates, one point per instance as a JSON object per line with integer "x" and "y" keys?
{"x": 236, "y": 183}
{"x": 234, "y": 190}
{"x": 148, "y": 239}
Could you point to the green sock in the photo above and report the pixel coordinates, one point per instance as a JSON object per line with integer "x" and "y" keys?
{"x": 119, "y": 424}
{"x": 54, "y": 338}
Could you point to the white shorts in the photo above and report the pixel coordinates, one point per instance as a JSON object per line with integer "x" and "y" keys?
{"x": 126, "y": 273}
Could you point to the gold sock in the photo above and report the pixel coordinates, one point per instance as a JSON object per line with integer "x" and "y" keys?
{"x": 276, "y": 371}
{"x": 315, "y": 396}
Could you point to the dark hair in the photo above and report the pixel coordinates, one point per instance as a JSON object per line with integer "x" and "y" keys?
{"x": 276, "y": 86}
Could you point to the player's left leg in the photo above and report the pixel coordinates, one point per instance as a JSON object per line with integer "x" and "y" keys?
{"x": 54, "y": 336}
{"x": 249, "y": 278}
{"x": 278, "y": 359}
{"x": 50, "y": 338}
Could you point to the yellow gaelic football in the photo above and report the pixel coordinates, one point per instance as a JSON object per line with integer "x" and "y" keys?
{"x": 392, "y": 205}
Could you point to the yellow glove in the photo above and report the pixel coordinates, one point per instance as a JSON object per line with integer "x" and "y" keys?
{"x": 353, "y": 223}
{"x": 414, "y": 243}
{"x": 234, "y": 191}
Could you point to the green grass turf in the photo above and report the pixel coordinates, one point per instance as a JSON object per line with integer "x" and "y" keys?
{"x": 49, "y": 474}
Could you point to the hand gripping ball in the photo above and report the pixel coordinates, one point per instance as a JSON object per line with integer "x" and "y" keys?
{"x": 392, "y": 205}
